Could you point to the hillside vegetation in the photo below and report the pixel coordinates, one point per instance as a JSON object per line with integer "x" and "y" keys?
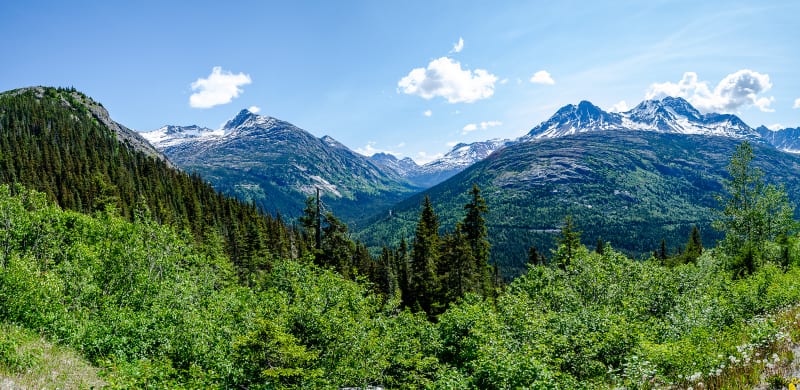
{"x": 153, "y": 308}
{"x": 151, "y": 295}
{"x": 630, "y": 188}
{"x": 51, "y": 142}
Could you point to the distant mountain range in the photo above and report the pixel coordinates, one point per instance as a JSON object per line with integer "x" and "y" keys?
{"x": 632, "y": 178}
{"x": 439, "y": 170}
{"x": 277, "y": 166}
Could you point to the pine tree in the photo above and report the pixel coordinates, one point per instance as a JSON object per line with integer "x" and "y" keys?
{"x": 424, "y": 257}
{"x": 456, "y": 267}
{"x": 568, "y": 244}
{"x": 533, "y": 256}
{"x": 694, "y": 247}
{"x": 600, "y": 246}
{"x": 474, "y": 228}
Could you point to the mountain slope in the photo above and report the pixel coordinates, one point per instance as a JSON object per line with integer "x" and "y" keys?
{"x": 632, "y": 188}
{"x": 277, "y": 165}
{"x": 58, "y": 142}
{"x": 787, "y": 140}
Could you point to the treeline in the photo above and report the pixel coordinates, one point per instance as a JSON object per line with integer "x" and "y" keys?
{"x": 427, "y": 275}
{"x": 53, "y": 144}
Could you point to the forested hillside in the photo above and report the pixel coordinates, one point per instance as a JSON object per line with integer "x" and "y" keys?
{"x": 157, "y": 281}
{"x": 630, "y": 188}
{"x": 50, "y": 141}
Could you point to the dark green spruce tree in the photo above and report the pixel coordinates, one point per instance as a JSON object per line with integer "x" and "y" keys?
{"x": 424, "y": 257}
{"x": 568, "y": 244}
{"x": 476, "y": 233}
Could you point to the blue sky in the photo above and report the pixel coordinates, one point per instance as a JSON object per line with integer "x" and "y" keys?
{"x": 410, "y": 77}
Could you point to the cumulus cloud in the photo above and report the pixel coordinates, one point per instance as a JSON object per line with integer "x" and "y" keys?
{"x": 254, "y": 109}
{"x": 483, "y": 126}
{"x": 458, "y": 46}
{"x": 428, "y": 113}
{"x": 542, "y": 77}
{"x": 220, "y": 87}
{"x": 737, "y": 90}
{"x": 776, "y": 127}
{"x": 444, "y": 77}
{"x": 621, "y": 106}
{"x": 796, "y": 103}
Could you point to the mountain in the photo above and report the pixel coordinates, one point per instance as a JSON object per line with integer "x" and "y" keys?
{"x": 402, "y": 167}
{"x": 632, "y": 188}
{"x": 71, "y": 99}
{"x": 277, "y": 166}
{"x": 667, "y": 115}
{"x": 63, "y": 144}
{"x": 787, "y": 140}
{"x": 456, "y": 160}
{"x": 174, "y": 135}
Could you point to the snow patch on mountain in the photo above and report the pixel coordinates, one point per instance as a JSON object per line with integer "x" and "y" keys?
{"x": 167, "y": 136}
{"x": 667, "y": 115}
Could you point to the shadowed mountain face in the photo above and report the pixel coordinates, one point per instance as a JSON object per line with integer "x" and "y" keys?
{"x": 278, "y": 165}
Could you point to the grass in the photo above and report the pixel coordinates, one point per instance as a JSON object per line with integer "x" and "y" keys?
{"x": 28, "y": 361}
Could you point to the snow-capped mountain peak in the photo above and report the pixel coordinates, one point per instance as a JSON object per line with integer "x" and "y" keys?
{"x": 667, "y": 115}
{"x": 174, "y": 135}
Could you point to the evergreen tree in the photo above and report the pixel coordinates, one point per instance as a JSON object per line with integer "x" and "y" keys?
{"x": 662, "y": 254}
{"x": 474, "y": 228}
{"x": 600, "y": 246}
{"x": 403, "y": 275}
{"x": 424, "y": 257}
{"x": 456, "y": 268}
{"x": 694, "y": 247}
{"x": 568, "y": 243}
{"x": 533, "y": 256}
{"x": 338, "y": 249}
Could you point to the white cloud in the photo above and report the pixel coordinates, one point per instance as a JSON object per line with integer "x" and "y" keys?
{"x": 483, "y": 126}
{"x": 458, "y": 46}
{"x": 542, "y": 77}
{"x": 796, "y": 103}
{"x": 451, "y": 144}
{"x": 737, "y": 90}
{"x": 621, "y": 106}
{"x": 401, "y": 145}
{"x": 444, "y": 77}
{"x": 369, "y": 149}
{"x": 254, "y": 109}
{"x": 776, "y": 127}
{"x": 219, "y": 88}
{"x": 428, "y": 113}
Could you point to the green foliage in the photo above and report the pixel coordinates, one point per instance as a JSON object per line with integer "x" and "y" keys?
{"x": 424, "y": 257}
{"x": 754, "y": 212}
{"x": 632, "y": 189}
{"x": 53, "y": 144}
{"x": 568, "y": 243}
